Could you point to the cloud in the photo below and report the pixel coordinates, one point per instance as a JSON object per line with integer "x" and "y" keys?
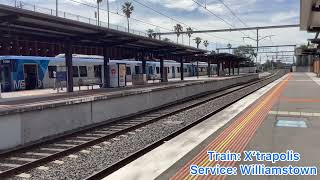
{"x": 252, "y": 12}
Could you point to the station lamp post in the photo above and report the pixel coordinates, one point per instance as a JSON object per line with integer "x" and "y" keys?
{"x": 98, "y": 11}
{"x": 57, "y": 8}
{"x": 257, "y": 41}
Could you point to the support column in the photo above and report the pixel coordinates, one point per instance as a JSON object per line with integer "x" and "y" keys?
{"x": 238, "y": 65}
{"x": 68, "y": 59}
{"x": 218, "y": 68}
{"x": 106, "y": 74}
{"x": 232, "y": 68}
{"x": 181, "y": 69}
{"x": 144, "y": 63}
{"x": 161, "y": 68}
{"x": 209, "y": 68}
{"x": 229, "y": 67}
{"x": 197, "y": 70}
{"x": 223, "y": 66}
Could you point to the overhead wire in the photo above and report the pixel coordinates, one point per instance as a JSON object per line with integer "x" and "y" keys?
{"x": 93, "y": 6}
{"x": 173, "y": 19}
{"x": 220, "y": 18}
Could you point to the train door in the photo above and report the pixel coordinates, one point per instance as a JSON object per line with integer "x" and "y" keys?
{"x": 5, "y": 77}
{"x": 173, "y": 72}
{"x": 30, "y": 76}
{"x": 98, "y": 72}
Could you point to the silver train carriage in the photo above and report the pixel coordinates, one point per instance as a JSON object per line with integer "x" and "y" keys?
{"x": 32, "y": 72}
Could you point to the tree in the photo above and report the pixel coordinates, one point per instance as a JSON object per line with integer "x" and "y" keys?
{"x": 197, "y": 41}
{"x": 150, "y": 32}
{"x": 178, "y": 29}
{"x": 246, "y": 52}
{"x": 166, "y": 40}
{"x": 189, "y": 33}
{"x": 127, "y": 9}
{"x": 206, "y": 44}
{"x": 229, "y": 46}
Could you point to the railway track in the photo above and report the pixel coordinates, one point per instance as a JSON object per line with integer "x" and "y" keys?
{"x": 24, "y": 159}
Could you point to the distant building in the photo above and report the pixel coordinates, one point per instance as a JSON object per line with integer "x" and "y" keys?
{"x": 304, "y": 59}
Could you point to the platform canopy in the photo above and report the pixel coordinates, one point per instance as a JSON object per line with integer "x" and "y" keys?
{"x": 310, "y": 15}
{"x": 38, "y": 26}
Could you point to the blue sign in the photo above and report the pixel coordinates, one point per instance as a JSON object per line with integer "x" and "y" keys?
{"x": 61, "y": 76}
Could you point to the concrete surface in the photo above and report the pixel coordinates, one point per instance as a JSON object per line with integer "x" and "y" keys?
{"x": 27, "y": 122}
{"x": 270, "y": 138}
{"x": 165, "y": 159}
{"x": 27, "y": 94}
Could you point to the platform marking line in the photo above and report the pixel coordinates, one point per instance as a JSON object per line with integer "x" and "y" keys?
{"x": 234, "y": 128}
{"x": 258, "y": 119}
{"x": 288, "y": 113}
{"x": 248, "y": 135}
{"x": 302, "y": 100}
{"x": 261, "y": 115}
{"x": 255, "y": 119}
{"x": 223, "y": 134}
{"x": 235, "y": 147}
{"x": 220, "y": 138}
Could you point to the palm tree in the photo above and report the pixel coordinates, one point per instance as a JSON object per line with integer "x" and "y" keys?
{"x": 127, "y": 9}
{"x": 206, "y": 44}
{"x": 189, "y": 33}
{"x": 213, "y": 52}
{"x": 178, "y": 28}
{"x": 166, "y": 40}
{"x": 197, "y": 41}
{"x": 229, "y": 46}
{"x": 150, "y": 32}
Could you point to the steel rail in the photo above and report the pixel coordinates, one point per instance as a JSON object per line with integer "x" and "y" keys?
{"x": 115, "y": 166}
{"x": 195, "y": 101}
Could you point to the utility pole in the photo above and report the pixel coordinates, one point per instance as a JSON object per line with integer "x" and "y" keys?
{"x": 98, "y": 11}
{"x": 98, "y": 14}
{"x": 257, "y": 49}
{"x": 257, "y": 40}
{"x": 108, "y": 14}
{"x": 57, "y": 11}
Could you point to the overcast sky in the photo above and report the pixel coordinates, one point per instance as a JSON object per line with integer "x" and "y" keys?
{"x": 251, "y": 13}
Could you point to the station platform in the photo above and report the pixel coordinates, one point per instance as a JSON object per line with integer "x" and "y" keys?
{"x": 36, "y": 118}
{"x": 281, "y": 116}
{"x": 84, "y": 90}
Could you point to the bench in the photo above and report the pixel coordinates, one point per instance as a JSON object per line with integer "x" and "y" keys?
{"x": 88, "y": 83}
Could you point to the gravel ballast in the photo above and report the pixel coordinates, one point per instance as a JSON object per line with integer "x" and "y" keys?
{"x": 105, "y": 154}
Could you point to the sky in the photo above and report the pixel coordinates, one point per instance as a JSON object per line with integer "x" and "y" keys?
{"x": 190, "y": 13}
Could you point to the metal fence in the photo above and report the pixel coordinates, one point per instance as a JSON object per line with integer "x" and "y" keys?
{"x": 66, "y": 15}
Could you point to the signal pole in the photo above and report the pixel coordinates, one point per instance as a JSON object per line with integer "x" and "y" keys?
{"x": 57, "y": 8}
{"x": 257, "y": 40}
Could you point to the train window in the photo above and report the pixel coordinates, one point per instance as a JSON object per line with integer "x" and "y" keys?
{"x": 178, "y": 69}
{"x": 185, "y": 69}
{"x": 75, "y": 70}
{"x": 158, "y": 70}
{"x": 137, "y": 69}
{"x": 128, "y": 70}
{"x": 83, "y": 71}
{"x": 97, "y": 71}
{"x": 150, "y": 70}
{"x": 52, "y": 69}
{"x": 168, "y": 69}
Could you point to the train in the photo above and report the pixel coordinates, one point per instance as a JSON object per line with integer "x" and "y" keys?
{"x": 33, "y": 72}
